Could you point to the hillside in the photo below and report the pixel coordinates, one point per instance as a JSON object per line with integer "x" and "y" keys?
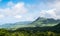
{"x": 55, "y": 29}
{"x": 31, "y": 29}
{"x": 40, "y": 22}
{"x": 15, "y": 25}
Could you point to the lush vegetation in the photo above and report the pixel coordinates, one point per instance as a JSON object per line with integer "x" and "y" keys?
{"x": 39, "y": 22}
{"x": 4, "y": 32}
{"x": 33, "y": 31}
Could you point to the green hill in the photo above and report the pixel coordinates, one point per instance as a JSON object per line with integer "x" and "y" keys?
{"x": 40, "y": 22}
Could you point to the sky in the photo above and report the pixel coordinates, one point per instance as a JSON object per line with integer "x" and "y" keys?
{"x": 12, "y": 11}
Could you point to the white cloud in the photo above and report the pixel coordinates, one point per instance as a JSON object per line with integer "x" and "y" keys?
{"x": 18, "y": 8}
{"x": 15, "y": 10}
{"x": 10, "y": 4}
{"x": 18, "y": 16}
{"x": 29, "y": 18}
{"x": 49, "y": 14}
{"x": 1, "y": 16}
{"x": 53, "y": 10}
{"x": 19, "y": 5}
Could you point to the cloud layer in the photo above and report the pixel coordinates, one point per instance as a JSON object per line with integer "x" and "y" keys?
{"x": 53, "y": 10}
{"x": 22, "y": 11}
{"x": 19, "y": 9}
{"x": 14, "y": 9}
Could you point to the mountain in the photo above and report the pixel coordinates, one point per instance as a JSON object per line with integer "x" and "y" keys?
{"x": 15, "y": 25}
{"x": 40, "y": 22}
{"x": 55, "y": 29}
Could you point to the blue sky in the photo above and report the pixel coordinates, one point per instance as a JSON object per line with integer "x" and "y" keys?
{"x": 12, "y": 11}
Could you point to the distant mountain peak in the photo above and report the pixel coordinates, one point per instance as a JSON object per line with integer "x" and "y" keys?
{"x": 40, "y": 18}
{"x": 40, "y": 21}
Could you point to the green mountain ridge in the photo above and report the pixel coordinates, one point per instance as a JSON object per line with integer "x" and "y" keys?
{"x": 39, "y": 22}
{"x": 55, "y": 28}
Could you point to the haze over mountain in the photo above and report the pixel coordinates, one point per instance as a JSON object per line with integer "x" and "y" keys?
{"x": 39, "y": 22}
{"x": 17, "y": 24}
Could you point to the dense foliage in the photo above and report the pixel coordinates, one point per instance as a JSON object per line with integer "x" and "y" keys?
{"x": 32, "y": 31}
{"x": 4, "y": 32}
